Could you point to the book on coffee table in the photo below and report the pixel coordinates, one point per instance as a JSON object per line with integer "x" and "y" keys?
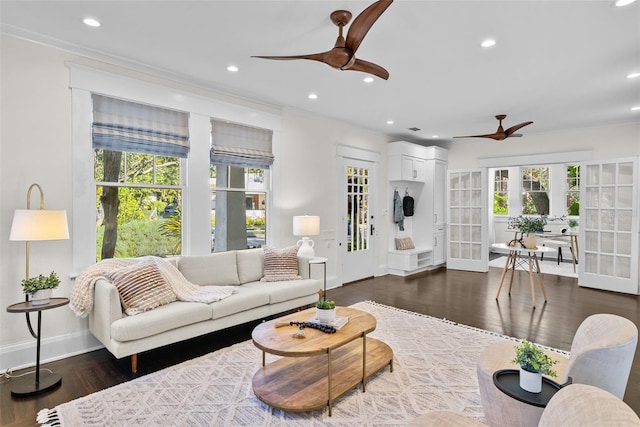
{"x": 337, "y": 323}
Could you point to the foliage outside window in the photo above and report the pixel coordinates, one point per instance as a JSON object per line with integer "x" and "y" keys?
{"x": 239, "y": 197}
{"x": 501, "y": 192}
{"x": 535, "y": 191}
{"x": 357, "y": 209}
{"x": 138, "y": 199}
{"x": 573, "y": 190}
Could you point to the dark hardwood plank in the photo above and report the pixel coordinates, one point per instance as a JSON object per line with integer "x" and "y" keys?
{"x": 463, "y": 297}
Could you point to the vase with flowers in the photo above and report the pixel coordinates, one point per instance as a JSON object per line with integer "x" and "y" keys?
{"x": 527, "y": 226}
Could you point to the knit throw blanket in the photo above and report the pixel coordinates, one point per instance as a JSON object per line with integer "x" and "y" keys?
{"x": 81, "y": 301}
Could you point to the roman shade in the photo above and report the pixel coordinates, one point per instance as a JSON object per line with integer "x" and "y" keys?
{"x": 239, "y": 145}
{"x": 129, "y": 126}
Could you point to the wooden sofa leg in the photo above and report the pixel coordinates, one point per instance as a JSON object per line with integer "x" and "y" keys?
{"x": 134, "y": 363}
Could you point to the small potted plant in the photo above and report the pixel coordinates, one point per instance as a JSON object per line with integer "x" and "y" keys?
{"x": 533, "y": 363}
{"x": 528, "y": 225}
{"x": 39, "y": 288}
{"x": 325, "y": 310}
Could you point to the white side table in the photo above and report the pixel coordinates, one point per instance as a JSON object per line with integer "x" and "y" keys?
{"x": 323, "y": 261}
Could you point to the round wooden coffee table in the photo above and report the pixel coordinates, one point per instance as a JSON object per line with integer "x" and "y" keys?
{"x": 319, "y": 368}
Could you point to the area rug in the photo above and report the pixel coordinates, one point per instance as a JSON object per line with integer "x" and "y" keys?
{"x": 548, "y": 266}
{"x": 434, "y": 369}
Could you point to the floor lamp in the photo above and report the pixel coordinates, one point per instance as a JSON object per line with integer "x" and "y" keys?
{"x": 35, "y": 225}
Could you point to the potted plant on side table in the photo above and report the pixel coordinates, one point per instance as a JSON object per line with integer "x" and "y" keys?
{"x": 40, "y": 288}
{"x": 325, "y": 310}
{"x": 533, "y": 363}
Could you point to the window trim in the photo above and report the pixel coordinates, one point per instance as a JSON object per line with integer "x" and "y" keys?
{"x": 84, "y": 81}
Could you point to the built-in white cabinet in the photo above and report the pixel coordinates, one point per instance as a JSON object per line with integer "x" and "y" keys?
{"x": 419, "y": 172}
{"x": 406, "y": 168}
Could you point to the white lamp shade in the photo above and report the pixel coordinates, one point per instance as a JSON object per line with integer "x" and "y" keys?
{"x": 306, "y": 225}
{"x": 39, "y": 224}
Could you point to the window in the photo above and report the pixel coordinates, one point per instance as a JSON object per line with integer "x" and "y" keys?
{"x": 501, "y": 192}
{"x": 535, "y": 191}
{"x": 573, "y": 190}
{"x": 239, "y": 177}
{"x": 137, "y": 175}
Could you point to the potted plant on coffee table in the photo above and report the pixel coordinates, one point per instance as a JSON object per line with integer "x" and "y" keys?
{"x": 325, "y": 310}
{"x": 39, "y": 288}
{"x": 533, "y": 363}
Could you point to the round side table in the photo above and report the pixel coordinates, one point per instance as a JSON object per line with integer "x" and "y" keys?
{"x": 35, "y": 383}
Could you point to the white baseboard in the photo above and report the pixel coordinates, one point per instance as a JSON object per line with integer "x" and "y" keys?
{"x": 23, "y": 355}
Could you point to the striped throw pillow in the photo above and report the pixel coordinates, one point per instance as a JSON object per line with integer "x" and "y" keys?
{"x": 141, "y": 287}
{"x": 280, "y": 264}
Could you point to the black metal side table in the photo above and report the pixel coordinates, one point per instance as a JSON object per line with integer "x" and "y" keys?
{"x": 28, "y": 385}
{"x": 508, "y": 382}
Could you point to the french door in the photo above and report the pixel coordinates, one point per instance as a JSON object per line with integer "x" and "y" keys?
{"x": 356, "y": 246}
{"x": 467, "y": 247}
{"x": 609, "y": 225}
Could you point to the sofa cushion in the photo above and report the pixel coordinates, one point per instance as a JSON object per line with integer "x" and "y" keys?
{"x": 250, "y": 264}
{"x": 218, "y": 269}
{"x": 162, "y": 319}
{"x": 286, "y": 290}
{"x": 280, "y": 264}
{"x": 244, "y": 299}
{"x": 141, "y": 287}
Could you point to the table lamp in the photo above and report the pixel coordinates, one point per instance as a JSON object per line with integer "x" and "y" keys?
{"x": 306, "y": 225}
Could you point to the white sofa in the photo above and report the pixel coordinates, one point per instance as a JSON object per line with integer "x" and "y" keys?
{"x": 125, "y": 335}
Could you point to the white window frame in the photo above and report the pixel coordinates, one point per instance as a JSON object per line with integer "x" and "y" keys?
{"x": 196, "y": 225}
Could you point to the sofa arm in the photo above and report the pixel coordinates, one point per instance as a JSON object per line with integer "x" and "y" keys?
{"x": 303, "y": 267}
{"x": 106, "y": 310}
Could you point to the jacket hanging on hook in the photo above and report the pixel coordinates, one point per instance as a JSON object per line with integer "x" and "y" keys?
{"x": 398, "y": 213}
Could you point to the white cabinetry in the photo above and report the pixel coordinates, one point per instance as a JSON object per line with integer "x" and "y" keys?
{"x": 421, "y": 173}
{"x": 407, "y": 168}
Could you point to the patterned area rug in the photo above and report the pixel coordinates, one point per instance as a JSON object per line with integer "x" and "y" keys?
{"x": 434, "y": 369}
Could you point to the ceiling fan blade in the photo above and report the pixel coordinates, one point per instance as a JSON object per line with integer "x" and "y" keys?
{"x": 363, "y": 22}
{"x": 514, "y": 128}
{"x": 369, "y": 67}
{"x": 314, "y": 57}
{"x": 496, "y": 136}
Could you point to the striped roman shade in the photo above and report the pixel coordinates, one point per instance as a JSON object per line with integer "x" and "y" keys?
{"x": 239, "y": 145}
{"x": 128, "y": 126}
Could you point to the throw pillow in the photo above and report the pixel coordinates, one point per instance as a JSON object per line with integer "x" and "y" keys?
{"x": 141, "y": 287}
{"x": 280, "y": 264}
{"x": 404, "y": 244}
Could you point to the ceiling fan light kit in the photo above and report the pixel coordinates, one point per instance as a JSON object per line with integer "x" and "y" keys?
{"x": 500, "y": 134}
{"x": 343, "y": 54}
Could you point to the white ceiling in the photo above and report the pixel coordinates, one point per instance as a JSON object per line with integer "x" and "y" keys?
{"x": 561, "y": 64}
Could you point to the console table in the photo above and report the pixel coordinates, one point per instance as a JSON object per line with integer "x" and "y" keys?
{"x": 28, "y": 385}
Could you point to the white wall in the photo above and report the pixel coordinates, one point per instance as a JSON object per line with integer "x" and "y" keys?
{"x": 605, "y": 143}
{"x": 36, "y": 146}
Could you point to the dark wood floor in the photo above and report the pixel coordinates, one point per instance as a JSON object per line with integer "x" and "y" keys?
{"x": 463, "y": 297}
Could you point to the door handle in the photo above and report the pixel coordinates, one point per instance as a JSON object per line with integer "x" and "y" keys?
{"x": 372, "y": 229}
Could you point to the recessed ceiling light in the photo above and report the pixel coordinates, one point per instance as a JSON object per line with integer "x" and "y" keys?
{"x": 621, "y": 3}
{"x": 313, "y": 96}
{"x": 389, "y": 122}
{"x": 635, "y": 108}
{"x": 368, "y": 79}
{"x": 633, "y": 75}
{"x": 434, "y": 136}
{"x": 232, "y": 68}
{"x": 91, "y": 22}
{"x": 488, "y": 43}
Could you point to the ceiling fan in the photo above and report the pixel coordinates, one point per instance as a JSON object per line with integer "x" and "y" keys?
{"x": 500, "y": 134}
{"x": 342, "y": 56}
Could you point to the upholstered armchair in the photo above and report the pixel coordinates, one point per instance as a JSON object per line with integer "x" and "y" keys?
{"x": 601, "y": 355}
{"x": 574, "y": 405}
